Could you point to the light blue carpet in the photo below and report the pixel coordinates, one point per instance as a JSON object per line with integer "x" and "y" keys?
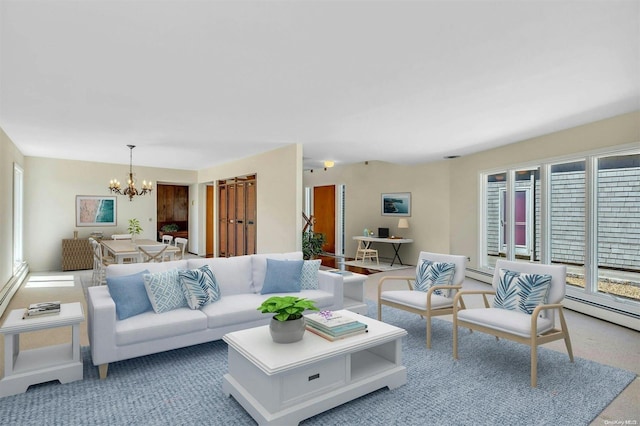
{"x": 488, "y": 385}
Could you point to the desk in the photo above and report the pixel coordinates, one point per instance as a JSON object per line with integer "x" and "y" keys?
{"x": 122, "y": 249}
{"x": 395, "y": 243}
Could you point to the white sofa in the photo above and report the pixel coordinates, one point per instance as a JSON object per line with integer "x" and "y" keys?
{"x": 240, "y": 281}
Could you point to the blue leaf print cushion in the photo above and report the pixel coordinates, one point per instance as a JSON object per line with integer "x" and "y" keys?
{"x": 430, "y": 274}
{"x": 521, "y": 292}
{"x": 199, "y": 286}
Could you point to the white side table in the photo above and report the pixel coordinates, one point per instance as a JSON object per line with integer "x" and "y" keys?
{"x": 29, "y": 367}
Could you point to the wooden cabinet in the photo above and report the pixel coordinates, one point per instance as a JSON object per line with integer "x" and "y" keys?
{"x": 76, "y": 254}
{"x": 173, "y": 206}
{"x": 237, "y": 216}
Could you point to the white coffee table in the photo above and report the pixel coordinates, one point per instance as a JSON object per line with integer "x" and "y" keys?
{"x": 287, "y": 383}
{"x": 29, "y": 367}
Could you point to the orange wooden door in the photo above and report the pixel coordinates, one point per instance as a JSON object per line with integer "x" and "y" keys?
{"x": 324, "y": 212}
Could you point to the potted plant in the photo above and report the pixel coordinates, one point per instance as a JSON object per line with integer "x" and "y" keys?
{"x": 312, "y": 244}
{"x": 287, "y": 325}
{"x": 134, "y": 228}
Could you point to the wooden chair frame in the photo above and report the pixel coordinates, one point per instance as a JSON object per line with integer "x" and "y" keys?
{"x": 367, "y": 253}
{"x": 429, "y": 312}
{"x": 149, "y": 254}
{"x": 532, "y": 341}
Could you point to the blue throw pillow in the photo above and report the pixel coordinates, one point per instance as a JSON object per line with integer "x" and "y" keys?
{"x": 309, "y": 275}
{"x": 521, "y": 292}
{"x": 283, "y": 276}
{"x": 164, "y": 291}
{"x": 129, "y": 294}
{"x": 199, "y": 286}
{"x": 430, "y": 274}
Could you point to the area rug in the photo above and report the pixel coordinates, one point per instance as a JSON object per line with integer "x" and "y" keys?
{"x": 377, "y": 267}
{"x": 488, "y": 385}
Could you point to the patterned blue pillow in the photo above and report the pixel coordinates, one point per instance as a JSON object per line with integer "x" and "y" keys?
{"x": 164, "y": 291}
{"x": 199, "y": 286}
{"x": 309, "y": 275}
{"x": 430, "y": 274}
{"x": 283, "y": 276}
{"x": 521, "y": 292}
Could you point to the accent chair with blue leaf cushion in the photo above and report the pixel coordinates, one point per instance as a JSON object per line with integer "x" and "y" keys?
{"x": 527, "y": 297}
{"x": 438, "y": 277}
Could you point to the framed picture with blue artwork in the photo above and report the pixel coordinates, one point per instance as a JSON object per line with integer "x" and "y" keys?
{"x": 95, "y": 210}
{"x": 396, "y": 204}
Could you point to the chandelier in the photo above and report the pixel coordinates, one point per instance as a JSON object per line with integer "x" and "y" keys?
{"x": 130, "y": 190}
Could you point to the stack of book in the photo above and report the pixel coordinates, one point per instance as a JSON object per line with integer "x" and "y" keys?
{"x": 333, "y": 326}
{"x": 37, "y": 310}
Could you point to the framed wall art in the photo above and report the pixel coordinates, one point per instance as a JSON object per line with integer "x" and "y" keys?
{"x": 94, "y": 210}
{"x": 396, "y": 204}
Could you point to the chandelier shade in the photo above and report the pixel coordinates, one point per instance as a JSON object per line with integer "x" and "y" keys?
{"x": 130, "y": 190}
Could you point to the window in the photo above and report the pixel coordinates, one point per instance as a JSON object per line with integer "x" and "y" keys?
{"x": 18, "y": 218}
{"x": 583, "y": 212}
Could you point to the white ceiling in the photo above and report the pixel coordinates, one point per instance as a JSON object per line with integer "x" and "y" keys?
{"x": 199, "y": 83}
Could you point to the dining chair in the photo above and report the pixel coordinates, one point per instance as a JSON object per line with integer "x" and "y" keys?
{"x": 527, "y": 297}
{"x": 100, "y": 262}
{"x": 430, "y": 292}
{"x": 366, "y": 252}
{"x": 152, "y": 253}
{"x": 167, "y": 239}
{"x": 121, "y": 237}
{"x": 182, "y": 244}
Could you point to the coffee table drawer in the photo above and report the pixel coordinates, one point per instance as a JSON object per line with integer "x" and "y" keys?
{"x": 318, "y": 378}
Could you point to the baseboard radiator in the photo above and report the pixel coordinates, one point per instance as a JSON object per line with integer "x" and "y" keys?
{"x": 10, "y": 288}
{"x": 593, "y": 309}
{"x": 479, "y": 275}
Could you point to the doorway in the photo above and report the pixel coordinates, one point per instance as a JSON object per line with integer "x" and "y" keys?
{"x": 324, "y": 212}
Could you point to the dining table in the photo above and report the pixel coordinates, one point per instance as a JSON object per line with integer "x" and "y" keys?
{"x": 128, "y": 249}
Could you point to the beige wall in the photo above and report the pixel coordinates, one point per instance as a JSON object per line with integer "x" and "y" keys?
{"x": 279, "y": 196}
{"x": 445, "y": 193}
{"x": 464, "y": 183}
{"x": 364, "y": 184}
{"x": 9, "y": 155}
{"x": 51, "y": 186}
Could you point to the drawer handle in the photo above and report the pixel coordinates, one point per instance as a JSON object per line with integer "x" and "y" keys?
{"x": 315, "y": 376}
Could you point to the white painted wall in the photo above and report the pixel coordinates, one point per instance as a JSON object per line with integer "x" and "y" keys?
{"x": 51, "y": 186}
{"x": 365, "y": 184}
{"x": 279, "y": 196}
{"x": 9, "y": 155}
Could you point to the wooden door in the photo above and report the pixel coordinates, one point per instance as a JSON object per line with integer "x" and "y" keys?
{"x": 324, "y": 211}
{"x": 250, "y": 217}
{"x": 222, "y": 220}
{"x": 237, "y": 207}
{"x": 209, "y": 227}
{"x": 240, "y": 215}
{"x": 231, "y": 220}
